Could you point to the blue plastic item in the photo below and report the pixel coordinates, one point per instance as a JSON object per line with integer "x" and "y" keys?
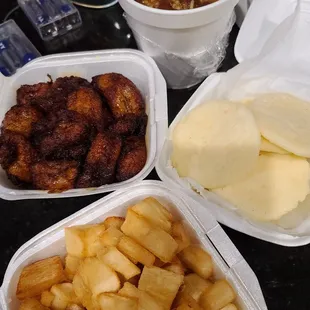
{"x": 15, "y": 48}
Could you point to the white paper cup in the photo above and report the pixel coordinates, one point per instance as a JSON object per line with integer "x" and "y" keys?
{"x": 187, "y": 45}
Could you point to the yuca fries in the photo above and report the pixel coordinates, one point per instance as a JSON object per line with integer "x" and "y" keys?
{"x": 144, "y": 261}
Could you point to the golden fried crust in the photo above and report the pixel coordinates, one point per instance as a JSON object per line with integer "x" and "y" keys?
{"x": 123, "y": 97}
{"x": 132, "y": 159}
{"x": 71, "y": 130}
{"x": 26, "y": 93}
{"x": 19, "y": 119}
{"x": 20, "y": 168}
{"x": 88, "y": 103}
{"x": 99, "y": 168}
{"x": 55, "y": 176}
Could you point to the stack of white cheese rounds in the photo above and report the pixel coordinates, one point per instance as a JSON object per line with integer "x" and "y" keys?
{"x": 253, "y": 155}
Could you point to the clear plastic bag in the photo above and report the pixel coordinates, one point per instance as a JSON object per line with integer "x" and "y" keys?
{"x": 183, "y": 68}
{"x": 263, "y": 17}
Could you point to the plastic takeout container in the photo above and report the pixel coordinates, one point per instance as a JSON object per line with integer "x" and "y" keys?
{"x": 269, "y": 72}
{"x": 15, "y": 48}
{"x": 138, "y": 67}
{"x": 224, "y": 212}
{"x": 227, "y": 260}
{"x": 187, "y": 45}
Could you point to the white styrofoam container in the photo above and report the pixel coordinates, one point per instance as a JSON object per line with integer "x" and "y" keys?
{"x": 202, "y": 226}
{"x": 135, "y": 65}
{"x": 261, "y": 20}
{"x": 186, "y": 44}
{"x": 224, "y": 212}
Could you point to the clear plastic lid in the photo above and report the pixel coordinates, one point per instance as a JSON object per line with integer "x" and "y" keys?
{"x": 51, "y": 17}
{"x": 15, "y": 48}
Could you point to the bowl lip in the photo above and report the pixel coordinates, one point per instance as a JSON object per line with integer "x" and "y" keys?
{"x": 175, "y": 12}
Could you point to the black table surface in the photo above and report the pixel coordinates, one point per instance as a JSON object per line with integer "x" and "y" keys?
{"x": 283, "y": 273}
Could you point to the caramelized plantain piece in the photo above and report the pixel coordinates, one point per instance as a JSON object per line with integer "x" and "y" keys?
{"x": 68, "y": 84}
{"x": 55, "y": 176}
{"x": 88, "y": 103}
{"x": 52, "y": 102}
{"x": 129, "y": 125}
{"x": 123, "y": 97}
{"x": 43, "y": 128}
{"x": 125, "y": 125}
{"x": 26, "y": 93}
{"x": 100, "y": 164}
{"x": 71, "y": 129}
{"x": 132, "y": 159}
{"x": 19, "y": 119}
{"x": 56, "y": 97}
{"x": 142, "y": 126}
{"x": 8, "y": 153}
{"x": 17, "y": 156}
{"x": 76, "y": 152}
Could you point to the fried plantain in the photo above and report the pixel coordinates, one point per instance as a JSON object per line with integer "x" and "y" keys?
{"x": 26, "y": 93}
{"x": 52, "y": 102}
{"x": 132, "y": 159}
{"x": 129, "y": 125}
{"x": 68, "y": 84}
{"x": 18, "y": 167}
{"x": 8, "y": 153}
{"x": 20, "y": 118}
{"x": 101, "y": 160}
{"x": 123, "y": 97}
{"x": 76, "y": 152}
{"x": 87, "y": 102}
{"x": 55, "y": 176}
{"x": 55, "y": 98}
{"x": 68, "y": 130}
